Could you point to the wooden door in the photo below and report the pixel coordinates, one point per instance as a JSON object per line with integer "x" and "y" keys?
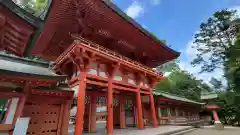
{"x": 45, "y": 114}
{"x": 129, "y": 112}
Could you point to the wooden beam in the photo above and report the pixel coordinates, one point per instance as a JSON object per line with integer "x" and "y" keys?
{"x": 6, "y": 127}
{"x": 97, "y": 83}
{"x": 123, "y": 88}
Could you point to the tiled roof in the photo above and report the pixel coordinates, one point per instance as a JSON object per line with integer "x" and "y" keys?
{"x": 116, "y": 9}
{"x": 174, "y": 97}
{"x": 12, "y": 66}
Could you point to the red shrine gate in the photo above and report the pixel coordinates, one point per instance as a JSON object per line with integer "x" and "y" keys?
{"x": 103, "y": 72}
{"x": 125, "y": 69}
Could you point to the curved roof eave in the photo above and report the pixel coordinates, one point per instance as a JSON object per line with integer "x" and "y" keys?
{"x": 138, "y": 26}
{"x": 171, "y": 96}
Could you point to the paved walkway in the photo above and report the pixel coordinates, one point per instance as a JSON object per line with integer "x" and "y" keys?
{"x": 161, "y": 130}
{"x": 212, "y": 131}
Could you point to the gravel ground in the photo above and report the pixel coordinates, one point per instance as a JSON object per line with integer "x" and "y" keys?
{"x": 211, "y": 131}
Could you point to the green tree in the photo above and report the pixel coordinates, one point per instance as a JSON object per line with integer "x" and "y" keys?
{"x": 35, "y": 7}
{"x": 232, "y": 66}
{"x": 228, "y": 110}
{"x": 216, "y": 48}
{"x": 213, "y": 39}
{"x": 181, "y": 83}
{"x": 232, "y": 73}
{"x": 217, "y": 84}
{"x": 169, "y": 67}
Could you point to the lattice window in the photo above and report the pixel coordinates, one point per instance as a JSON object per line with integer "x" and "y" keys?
{"x": 87, "y": 100}
{"x": 164, "y": 112}
{"x": 129, "y": 104}
{"x": 116, "y": 102}
{"x": 101, "y": 100}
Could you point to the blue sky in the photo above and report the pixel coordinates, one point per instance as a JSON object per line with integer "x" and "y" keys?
{"x": 176, "y": 21}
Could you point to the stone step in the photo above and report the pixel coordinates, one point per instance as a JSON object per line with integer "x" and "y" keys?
{"x": 183, "y": 132}
{"x": 175, "y": 132}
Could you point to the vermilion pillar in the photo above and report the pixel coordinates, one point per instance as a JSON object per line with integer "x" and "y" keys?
{"x": 154, "y": 119}
{"x": 93, "y": 116}
{"x": 111, "y": 73}
{"x": 159, "y": 115}
{"x": 122, "y": 112}
{"x": 80, "y": 103}
{"x": 183, "y": 111}
{"x": 139, "y": 110}
{"x": 110, "y": 107}
{"x": 215, "y": 115}
{"x": 176, "y": 111}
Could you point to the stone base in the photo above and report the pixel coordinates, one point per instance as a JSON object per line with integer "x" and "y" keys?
{"x": 218, "y": 125}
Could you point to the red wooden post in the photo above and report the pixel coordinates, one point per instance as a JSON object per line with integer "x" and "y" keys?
{"x": 80, "y": 103}
{"x": 139, "y": 109}
{"x": 215, "y": 115}
{"x": 183, "y": 111}
{"x": 93, "y": 113}
{"x": 66, "y": 115}
{"x": 122, "y": 112}
{"x": 154, "y": 119}
{"x": 111, "y": 73}
{"x": 110, "y": 107}
{"x": 176, "y": 111}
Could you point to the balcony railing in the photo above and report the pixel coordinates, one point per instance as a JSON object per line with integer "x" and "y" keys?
{"x": 115, "y": 55}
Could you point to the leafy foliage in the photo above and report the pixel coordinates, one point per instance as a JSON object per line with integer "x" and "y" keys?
{"x": 217, "y": 84}
{"x": 35, "y": 7}
{"x": 181, "y": 83}
{"x": 232, "y": 73}
{"x": 228, "y": 109}
{"x": 217, "y": 49}
{"x": 169, "y": 67}
{"x": 213, "y": 39}
{"x": 232, "y": 66}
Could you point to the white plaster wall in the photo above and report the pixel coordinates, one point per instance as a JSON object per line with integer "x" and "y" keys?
{"x": 12, "y": 110}
{"x": 21, "y": 126}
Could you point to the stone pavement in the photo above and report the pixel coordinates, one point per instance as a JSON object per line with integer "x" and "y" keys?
{"x": 161, "y": 130}
{"x": 212, "y": 131}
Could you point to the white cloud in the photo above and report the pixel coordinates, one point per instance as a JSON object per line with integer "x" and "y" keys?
{"x": 135, "y": 9}
{"x": 190, "y": 52}
{"x": 238, "y": 10}
{"x": 155, "y": 2}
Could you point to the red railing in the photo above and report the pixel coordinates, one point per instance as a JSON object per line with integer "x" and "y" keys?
{"x": 115, "y": 55}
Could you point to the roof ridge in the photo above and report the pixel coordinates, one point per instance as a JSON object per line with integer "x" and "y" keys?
{"x": 183, "y": 98}
{"x": 14, "y": 58}
{"x": 164, "y": 92}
